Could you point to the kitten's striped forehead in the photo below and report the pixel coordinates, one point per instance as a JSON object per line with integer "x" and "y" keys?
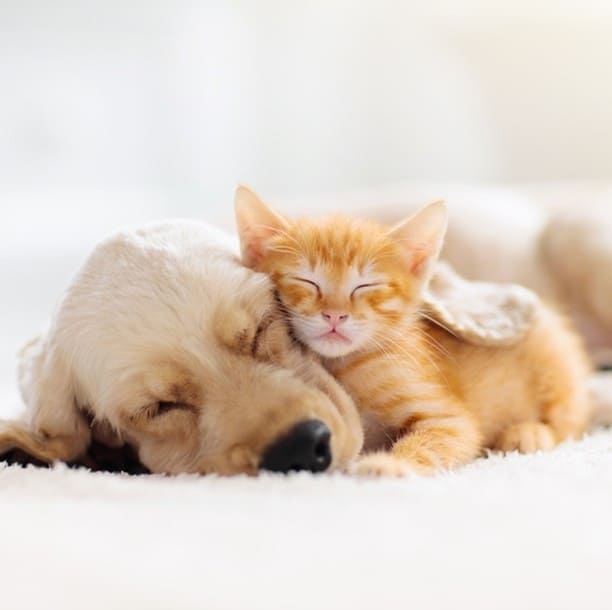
{"x": 339, "y": 243}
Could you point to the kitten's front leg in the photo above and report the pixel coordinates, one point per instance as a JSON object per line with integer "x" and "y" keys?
{"x": 437, "y": 437}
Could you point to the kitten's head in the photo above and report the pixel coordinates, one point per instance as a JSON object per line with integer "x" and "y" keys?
{"x": 346, "y": 283}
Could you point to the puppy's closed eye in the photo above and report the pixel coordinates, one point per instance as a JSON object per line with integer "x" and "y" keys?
{"x": 164, "y": 419}
{"x": 163, "y": 407}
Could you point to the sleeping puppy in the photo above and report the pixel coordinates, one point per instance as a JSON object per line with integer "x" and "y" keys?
{"x": 165, "y": 343}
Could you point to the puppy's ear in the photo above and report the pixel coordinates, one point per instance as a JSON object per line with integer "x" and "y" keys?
{"x": 421, "y": 237}
{"x": 257, "y": 223}
{"x": 56, "y": 428}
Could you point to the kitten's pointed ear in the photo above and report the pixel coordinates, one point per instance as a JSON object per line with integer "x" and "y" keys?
{"x": 421, "y": 237}
{"x": 256, "y": 222}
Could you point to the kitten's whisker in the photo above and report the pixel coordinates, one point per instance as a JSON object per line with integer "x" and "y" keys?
{"x": 435, "y": 344}
{"x": 414, "y": 346}
{"x": 437, "y": 323}
{"x": 397, "y": 358}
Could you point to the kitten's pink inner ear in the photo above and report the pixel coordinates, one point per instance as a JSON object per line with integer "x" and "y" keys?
{"x": 419, "y": 259}
{"x": 421, "y": 237}
{"x": 257, "y": 223}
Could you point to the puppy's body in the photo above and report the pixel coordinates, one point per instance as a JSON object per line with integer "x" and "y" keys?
{"x": 167, "y": 343}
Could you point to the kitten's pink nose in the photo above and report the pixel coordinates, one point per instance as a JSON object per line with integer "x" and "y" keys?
{"x": 335, "y": 318}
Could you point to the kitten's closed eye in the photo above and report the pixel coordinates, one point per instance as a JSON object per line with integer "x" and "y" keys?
{"x": 363, "y": 288}
{"x": 310, "y": 283}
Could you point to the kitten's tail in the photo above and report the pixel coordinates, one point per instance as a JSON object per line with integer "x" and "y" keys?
{"x": 601, "y": 395}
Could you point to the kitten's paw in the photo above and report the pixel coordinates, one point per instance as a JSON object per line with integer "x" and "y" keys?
{"x": 527, "y": 438}
{"x": 380, "y": 465}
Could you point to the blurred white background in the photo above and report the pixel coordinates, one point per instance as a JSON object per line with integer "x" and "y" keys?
{"x": 123, "y": 111}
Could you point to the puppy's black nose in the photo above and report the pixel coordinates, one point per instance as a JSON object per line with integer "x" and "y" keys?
{"x": 305, "y": 447}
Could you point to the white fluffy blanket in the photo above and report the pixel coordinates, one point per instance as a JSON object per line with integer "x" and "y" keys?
{"x": 528, "y": 532}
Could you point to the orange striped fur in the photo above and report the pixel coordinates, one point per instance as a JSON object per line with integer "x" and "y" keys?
{"x": 352, "y": 291}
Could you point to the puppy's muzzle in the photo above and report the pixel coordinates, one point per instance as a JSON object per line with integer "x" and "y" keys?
{"x": 305, "y": 447}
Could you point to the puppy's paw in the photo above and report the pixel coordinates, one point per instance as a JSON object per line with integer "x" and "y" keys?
{"x": 380, "y": 465}
{"x": 527, "y": 437}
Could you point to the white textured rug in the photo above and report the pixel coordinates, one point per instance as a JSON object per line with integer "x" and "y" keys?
{"x": 528, "y": 532}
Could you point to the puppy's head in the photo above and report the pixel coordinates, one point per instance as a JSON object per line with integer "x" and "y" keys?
{"x": 233, "y": 404}
{"x": 188, "y": 358}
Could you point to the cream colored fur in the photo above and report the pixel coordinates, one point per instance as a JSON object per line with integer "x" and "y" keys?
{"x": 481, "y": 313}
{"x": 165, "y": 342}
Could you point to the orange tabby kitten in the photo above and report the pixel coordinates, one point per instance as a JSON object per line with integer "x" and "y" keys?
{"x": 352, "y": 290}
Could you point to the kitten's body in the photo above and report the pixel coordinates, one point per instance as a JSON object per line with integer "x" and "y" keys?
{"x": 353, "y": 291}
{"x": 440, "y": 403}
